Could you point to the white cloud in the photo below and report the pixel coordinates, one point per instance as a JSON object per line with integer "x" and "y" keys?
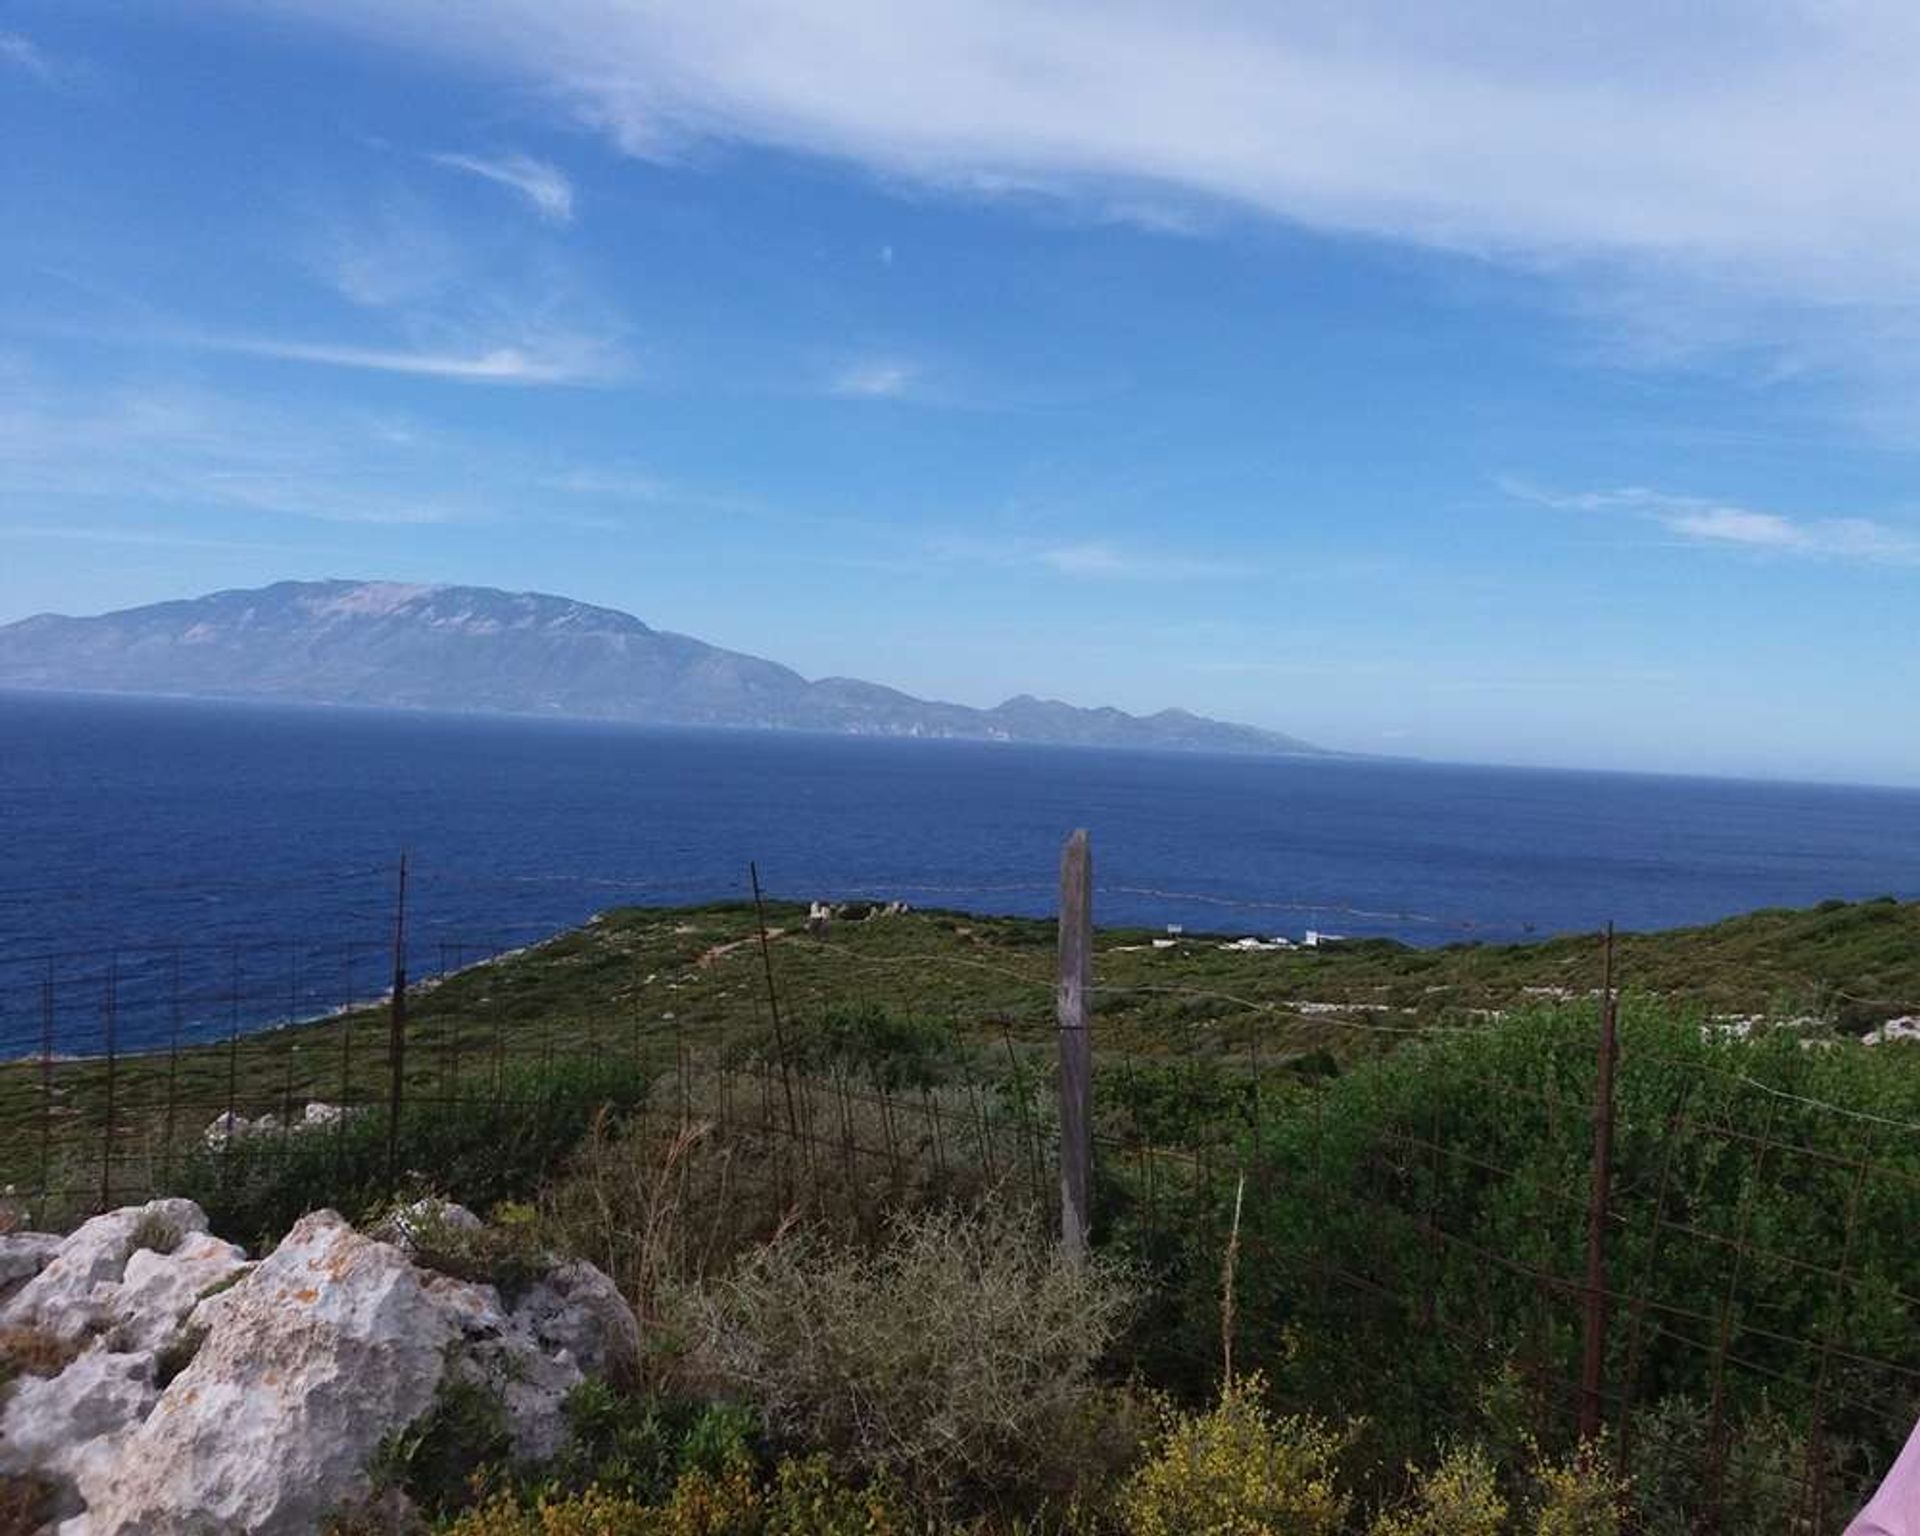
{"x": 24, "y": 54}
{"x": 874, "y": 379}
{"x": 541, "y": 183}
{"x": 1701, "y": 520}
{"x": 1721, "y": 136}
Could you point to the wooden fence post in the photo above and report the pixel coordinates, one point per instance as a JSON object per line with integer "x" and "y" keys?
{"x": 1074, "y": 999}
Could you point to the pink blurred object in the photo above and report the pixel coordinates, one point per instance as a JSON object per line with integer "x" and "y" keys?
{"x": 1895, "y": 1509}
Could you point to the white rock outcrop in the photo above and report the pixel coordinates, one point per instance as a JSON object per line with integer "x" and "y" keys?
{"x": 22, "y": 1256}
{"x": 139, "y": 1269}
{"x": 210, "y": 1398}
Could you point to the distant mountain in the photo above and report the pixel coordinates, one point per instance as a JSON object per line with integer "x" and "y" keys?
{"x": 521, "y": 653}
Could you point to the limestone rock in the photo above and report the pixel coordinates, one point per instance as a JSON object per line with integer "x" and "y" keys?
{"x": 329, "y": 1346}
{"x": 22, "y": 1256}
{"x": 425, "y": 1219}
{"x": 578, "y": 1311}
{"x": 72, "y": 1428}
{"x": 332, "y": 1344}
{"x": 158, "y": 1290}
{"x": 70, "y": 1296}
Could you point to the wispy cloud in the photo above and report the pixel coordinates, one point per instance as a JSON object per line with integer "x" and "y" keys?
{"x": 23, "y": 53}
{"x": 877, "y": 378}
{"x": 1673, "y": 152}
{"x": 1085, "y": 560}
{"x": 188, "y": 449}
{"x": 1702, "y": 520}
{"x": 509, "y": 309}
{"x": 567, "y": 361}
{"x": 544, "y": 185}
{"x": 135, "y": 538}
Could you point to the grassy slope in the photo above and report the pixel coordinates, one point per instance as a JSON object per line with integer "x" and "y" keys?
{"x": 660, "y": 981}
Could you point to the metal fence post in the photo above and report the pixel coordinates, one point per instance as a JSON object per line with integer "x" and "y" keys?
{"x": 110, "y": 1020}
{"x": 397, "y": 1032}
{"x": 1594, "y": 1352}
{"x": 1074, "y": 1000}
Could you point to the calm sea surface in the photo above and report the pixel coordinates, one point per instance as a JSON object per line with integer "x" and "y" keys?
{"x": 249, "y": 851}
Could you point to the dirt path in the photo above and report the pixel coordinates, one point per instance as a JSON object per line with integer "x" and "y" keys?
{"x": 719, "y": 951}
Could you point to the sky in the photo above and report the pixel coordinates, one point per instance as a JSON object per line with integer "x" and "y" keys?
{"x": 1509, "y": 381}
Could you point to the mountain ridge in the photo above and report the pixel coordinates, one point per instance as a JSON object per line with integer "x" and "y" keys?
{"x": 475, "y": 649}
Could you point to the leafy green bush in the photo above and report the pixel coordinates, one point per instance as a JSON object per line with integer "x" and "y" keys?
{"x": 477, "y": 1152}
{"x": 802, "y": 1498}
{"x": 1751, "y": 1483}
{"x": 638, "y": 1444}
{"x": 1459, "y": 1497}
{"x": 958, "y": 1360}
{"x": 1399, "y": 1218}
{"x": 1578, "y": 1495}
{"x": 1238, "y": 1470}
{"x": 452, "y": 1455}
{"x": 871, "y": 1047}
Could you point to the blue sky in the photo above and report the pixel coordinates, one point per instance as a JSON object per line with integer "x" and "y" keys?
{"x": 1514, "y": 384}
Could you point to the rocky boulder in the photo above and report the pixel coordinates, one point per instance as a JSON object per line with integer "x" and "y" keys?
{"x": 208, "y": 1398}
{"x": 138, "y": 1270}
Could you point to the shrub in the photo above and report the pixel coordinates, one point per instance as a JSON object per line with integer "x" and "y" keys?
{"x": 176, "y": 1355}
{"x": 957, "y": 1359}
{"x": 872, "y": 1048}
{"x": 637, "y": 1445}
{"x": 33, "y": 1352}
{"x": 803, "y": 1498}
{"x": 478, "y": 1152}
{"x": 26, "y": 1505}
{"x": 1347, "y": 1201}
{"x": 680, "y": 1193}
{"x": 1762, "y": 1465}
{"x": 1460, "y": 1497}
{"x": 156, "y": 1233}
{"x": 452, "y": 1455}
{"x": 1237, "y": 1470}
{"x": 1578, "y": 1495}
{"x": 505, "y": 1255}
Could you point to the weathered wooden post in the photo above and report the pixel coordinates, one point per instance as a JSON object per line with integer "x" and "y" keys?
{"x": 1074, "y": 1000}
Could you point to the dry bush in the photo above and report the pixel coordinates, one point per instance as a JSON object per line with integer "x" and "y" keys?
{"x": 33, "y": 1352}
{"x": 26, "y": 1505}
{"x": 713, "y": 1169}
{"x": 956, "y": 1360}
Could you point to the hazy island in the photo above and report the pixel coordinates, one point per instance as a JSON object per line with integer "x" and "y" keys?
{"x": 479, "y": 649}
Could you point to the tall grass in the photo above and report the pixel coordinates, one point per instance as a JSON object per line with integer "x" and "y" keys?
{"x": 478, "y": 1151}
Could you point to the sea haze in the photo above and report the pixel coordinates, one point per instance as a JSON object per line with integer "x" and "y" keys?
{"x": 155, "y": 833}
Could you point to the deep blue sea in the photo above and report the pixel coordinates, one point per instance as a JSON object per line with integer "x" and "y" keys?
{"x": 250, "y": 851}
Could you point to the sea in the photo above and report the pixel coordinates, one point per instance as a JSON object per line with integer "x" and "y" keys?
{"x": 181, "y": 869}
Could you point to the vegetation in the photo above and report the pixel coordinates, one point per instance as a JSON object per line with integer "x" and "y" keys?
{"x": 899, "y": 993}
{"x": 956, "y": 1361}
{"x": 834, "y": 1226}
{"x": 499, "y": 1145}
{"x": 32, "y": 1352}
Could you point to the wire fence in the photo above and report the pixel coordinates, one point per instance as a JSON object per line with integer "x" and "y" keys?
{"x": 1695, "y": 1245}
